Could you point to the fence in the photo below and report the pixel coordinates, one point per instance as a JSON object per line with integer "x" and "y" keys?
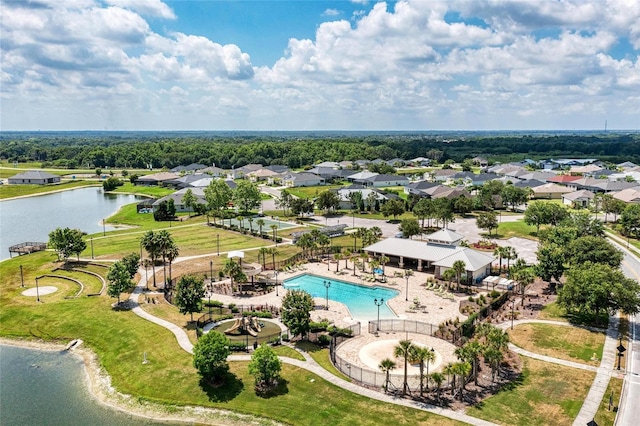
{"x": 375, "y": 378}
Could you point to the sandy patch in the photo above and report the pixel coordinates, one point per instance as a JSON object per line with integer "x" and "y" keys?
{"x": 43, "y": 290}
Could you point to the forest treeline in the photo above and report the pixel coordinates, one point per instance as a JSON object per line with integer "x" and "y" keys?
{"x": 173, "y": 150}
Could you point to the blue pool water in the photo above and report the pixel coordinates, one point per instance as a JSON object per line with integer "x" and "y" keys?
{"x": 359, "y": 299}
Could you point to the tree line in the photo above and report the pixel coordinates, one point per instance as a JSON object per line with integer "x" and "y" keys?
{"x": 169, "y": 151}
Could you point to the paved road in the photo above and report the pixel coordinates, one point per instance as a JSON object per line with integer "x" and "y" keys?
{"x": 629, "y": 411}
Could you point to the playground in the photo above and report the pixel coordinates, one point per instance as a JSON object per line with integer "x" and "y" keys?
{"x": 248, "y": 330}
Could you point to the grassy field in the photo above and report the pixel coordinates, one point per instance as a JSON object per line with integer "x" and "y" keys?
{"x": 10, "y": 191}
{"x": 516, "y": 229}
{"x": 149, "y": 191}
{"x": 545, "y": 394}
{"x": 604, "y": 416}
{"x": 563, "y": 342}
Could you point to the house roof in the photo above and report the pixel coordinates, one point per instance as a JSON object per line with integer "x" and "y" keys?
{"x": 178, "y": 195}
{"x": 302, "y": 177}
{"x": 583, "y": 193}
{"x": 362, "y": 175}
{"x": 159, "y": 177}
{"x": 34, "y": 175}
{"x": 590, "y": 168}
{"x": 383, "y": 178}
{"x": 473, "y": 260}
{"x": 551, "y": 188}
{"x": 445, "y": 235}
{"x": 263, "y": 173}
{"x": 329, "y": 164}
{"x": 563, "y": 179}
{"x": 190, "y": 168}
{"x": 627, "y": 165}
{"x": 629, "y": 195}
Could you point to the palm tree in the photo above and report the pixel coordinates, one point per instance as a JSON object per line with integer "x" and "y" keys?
{"x": 172, "y": 253}
{"x": 511, "y": 254}
{"x": 263, "y": 252}
{"x": 164, "y": 241}
{"x": 449, "y": 275}
{"x": 449, "y": 371}
{"x": 458, "y": 267}
{"x": 374, "y": 265}
{"x": 240, "y": 220}
{"x": 383, "y": 261}
{"x": 422, "y": 356}
{"x": 462, "y": 369}
{"x": 524, "y": 277}
{"x": 386, "y": 365}
{"x": 150, "y": 243}
{"x": 260, "y": 223}
{"x": 437, "y": 379}
{"x": 274, "y": 252}
{"x": 364, "y": 256}
{"x": 403, "y": 350}
{"x": 347, "y": 256}
{"x": 493, "y": 357}
{"x": 234, "y": 271}
{"x": 274, "y": 228}
{"x": 250, "y": 219}
{"x": 500, "y": 252}
{"x": 338, "y": 257}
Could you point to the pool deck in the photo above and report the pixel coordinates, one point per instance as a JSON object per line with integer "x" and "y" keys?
{"x": 433, "y": 308}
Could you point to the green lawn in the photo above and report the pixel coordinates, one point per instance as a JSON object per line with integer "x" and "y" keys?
{"x": 604, "y": 416}
{"x": 10, "y": 191}
{"x": 545, "y": 394}
{"x": 150, "y": 191}
{"x": 516, "y": 229}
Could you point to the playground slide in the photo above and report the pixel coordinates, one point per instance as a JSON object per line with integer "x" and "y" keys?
{"x": 234, "y": 327}
{"x": 255, "y": 324}
{"x": 251, "y": 332}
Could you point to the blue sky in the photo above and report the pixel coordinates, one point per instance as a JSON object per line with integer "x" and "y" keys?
{"x": 319, "y": 65}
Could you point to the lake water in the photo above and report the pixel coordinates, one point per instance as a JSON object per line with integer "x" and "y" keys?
{"x": 49, "y": 388}
{"x": 32, "y": 218}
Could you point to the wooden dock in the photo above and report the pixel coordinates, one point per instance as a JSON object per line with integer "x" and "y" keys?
{"x": 26, "y": 248}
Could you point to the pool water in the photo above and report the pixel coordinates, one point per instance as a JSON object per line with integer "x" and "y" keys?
{"x": 358, "y": 299}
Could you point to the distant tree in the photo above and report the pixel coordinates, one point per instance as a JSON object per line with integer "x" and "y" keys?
{"x": 443, "y": 211}
{"x": 131, "y": 262}
{"x": 166, "y": 211}
{"x": 328, "y": 201}
{"x": 595, "y": 250}
{"x": 189, "y": 200}
{"x": 550, "y": 261}
{"x": 355, "y": 197}
{"x": 265, "y": 367}
{"x": 462, "y": 205}
{"x": 392, "y": 208}
{"x": 630, "y": 221}
{"x": 111, "y": 184}
{"x": 424, "y": 209}
{"x": 151, "y": 244}
{"x": 67, "y": 242}
{"x": 234, "y": 270}
{"x": 284, "y": 201}
{"x": 596, "y": 288}
{"x": 301, "y": 206}
{"x": 459, "y": 267}
{"x": 513, "y": 196}
{"x": 487, "y": 220}
{"x": 421, "y": 356}
{"x": 536, "y": 214}
{"x": 210, "y": 357}
{"x": 409, "y": 228}
{"x": 189, "y": 294}
{"x": 584, "y": 224}
{"x": 556, "y": 213}
{"x": 524, "y": 277}
{"x": 296, "y": 309}
{"x": 118, "y": 280}
{"x": 218, "y": 195}
{"x": 246, "y": 195}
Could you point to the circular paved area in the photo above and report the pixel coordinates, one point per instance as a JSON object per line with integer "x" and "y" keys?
{"x": 47, "y": 289}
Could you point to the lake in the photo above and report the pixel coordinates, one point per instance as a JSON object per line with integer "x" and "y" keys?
{"x": 49, "y": 388}
{"x": 32, "y": 218}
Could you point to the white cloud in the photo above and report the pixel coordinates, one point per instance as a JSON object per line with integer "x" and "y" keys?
{"x": 525, "y": 64}
{"x": 331, "y": 12}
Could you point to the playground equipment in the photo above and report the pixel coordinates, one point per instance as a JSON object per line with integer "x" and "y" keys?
{"x": 245, "y": 324}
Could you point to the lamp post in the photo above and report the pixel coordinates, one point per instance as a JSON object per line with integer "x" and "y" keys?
{"x": 327, "y": 284}
{"x": 406, "y": 291}
{"x": 146, "y": 274}
{"x": 140, "y": 250}
{"x": 21, "y": 277}
{"x": 218, "y": 243}
{"x": 37, "y": 290}
{"x": 211, "y": 271}
{"x": 276, "y": 273}
{"x": 92, "y": 248}
{"x": 378, "y": 303}
{"x": 513, "y": 305}
{"x": 104, "y": 228}
{"x": 209, "y": 292}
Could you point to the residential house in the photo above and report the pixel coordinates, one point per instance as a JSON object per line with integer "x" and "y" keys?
{"x": 262, "y": 175}
{"x": 191, "y": 168}
{"x": 440, "y": 175}
{"x": 214, "y": 171}
{"x": 241, "y": 172}
{"x": 367, "y": 195}
{"x": 157, "y": 179}
{"x": 551, "y": 191}
{"x": 385, "y": 180}
{"x": 420, "y": 162}
{"x": 578, "y": 199}
{"x": 563, "y": 179}
{"x": 302, "y": 179}
{"x": 360, "y": 177}
{"x": 177, "y": 198}
{"x": 629, "y": 195}
{"x": 480, "y": 161}
{"x": 589, "y": 169}
{"x": 328, "y": 164}
{"x": 626, "y": 165}
{"x": 416, "y": 188}
{"x": 529, "y": 183}
{"x": 37, "y": 177}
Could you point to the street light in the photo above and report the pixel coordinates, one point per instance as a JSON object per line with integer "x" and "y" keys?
{"x": 21, "y": 277}
{"x": 513, "y": 305}
{"x": 211, "y": 271}
{"x": 146, "y": 273}
{"x": 378, "y": 303}
{"x": 37, "y": 290}
{"x": 218, "y": 242}
{"x": 276, "y": 274}
{"x": 406, "y": 291}
{"x": 327, "y": 284}
{"x": 209, "y": 292}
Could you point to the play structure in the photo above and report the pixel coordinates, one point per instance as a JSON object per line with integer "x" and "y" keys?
{"x": 249, "y": 325}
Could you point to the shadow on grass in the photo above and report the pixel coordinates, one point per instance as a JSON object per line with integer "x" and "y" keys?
{"x": 306, "y": 346}
{"x": 582, "y": 318}
{"x": 223, "y": 391}
{"x": 281, "y": 389}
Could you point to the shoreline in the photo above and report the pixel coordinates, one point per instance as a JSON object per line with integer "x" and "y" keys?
{"x": 17, "y": 197}
{"x": 98, "y": 383}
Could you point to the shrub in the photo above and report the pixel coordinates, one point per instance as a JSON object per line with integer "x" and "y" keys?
{"x": 324, "y": 339}
{"x": 237, "y": 347}
{"x": 259, "y": 314}
{"x": 318, "y": 326}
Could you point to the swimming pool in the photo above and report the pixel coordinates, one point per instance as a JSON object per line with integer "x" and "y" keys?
{"x": 357, "y": 298}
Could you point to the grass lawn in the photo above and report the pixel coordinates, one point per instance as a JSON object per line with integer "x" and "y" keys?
{"x": 321, "y": 356}
{"x": 10, "y": 191}
{"x": 516, "y": 229}
{"x": 604, "y": 416}
{"x": 120, "y": 338}
{"x": 150, "y": 191}
{"x": 546, "y": 394}
{"x": 311, "y": 191}
{"x": 563, "y": 342}
{"x": 555, "y": 312}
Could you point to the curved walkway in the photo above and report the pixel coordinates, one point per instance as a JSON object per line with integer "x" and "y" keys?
{"x": 309, "y": 364}
{"x": 603, "y": 373}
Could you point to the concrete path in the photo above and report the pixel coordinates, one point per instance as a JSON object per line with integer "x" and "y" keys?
{"x": 603, "y": 372}
{"x": 309, "y": 364}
